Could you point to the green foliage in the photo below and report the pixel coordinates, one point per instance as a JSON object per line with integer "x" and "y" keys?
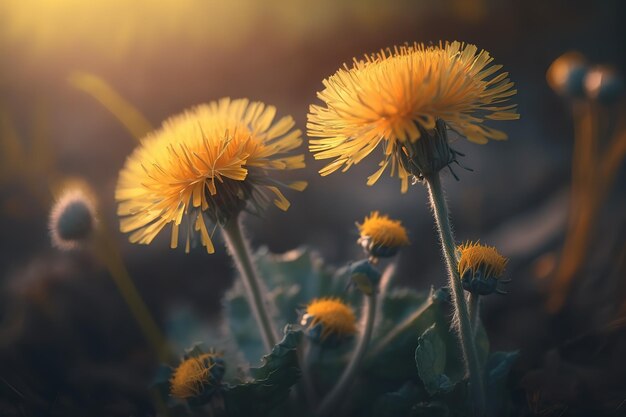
{"x": 404, "y": 315}
{"x": 430, "y": 357}
{"x": 397, "y": 403}
{"x": 292, "y": 280}
{"x": 497, "y": 370}
{"x": 271, "y": 384}
{"x": 261, "y": 394}
{"x": 412, "y": 327}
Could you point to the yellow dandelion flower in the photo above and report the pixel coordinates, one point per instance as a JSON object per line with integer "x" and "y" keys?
{"x": 396, "y": 95}
{"x": 329, "y": 318}
{"x": 195, "y": 374}
{"x": 480, "y": 267}
{"x": 205, "y": 166}
{"x": 382, "y": 236}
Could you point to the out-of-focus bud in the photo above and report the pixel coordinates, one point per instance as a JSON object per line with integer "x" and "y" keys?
{"x": 380, "y": 236}
{"x": 567, "y": 73}
{"x": 73, "y": 217}
{"x": 329, "y": 322}
{"x": 603, "y": 83}
{"x": 198, "y": 377}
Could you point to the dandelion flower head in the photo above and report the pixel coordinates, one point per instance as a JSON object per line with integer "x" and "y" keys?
{"x": 203, "y": 167}
{"x": 391, "y": 97}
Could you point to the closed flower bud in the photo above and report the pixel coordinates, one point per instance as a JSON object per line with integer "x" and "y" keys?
{"x": 603, "y": 83}
{"x": 480, "y": 268}
{"x": 198, "y": 377}
{"x": 73, "y": 217}
{"x": 329, "y": 322}
{"x": 567, "y": 73}
{"x": 365, "y": 276}
{"x": 382, "y": 237}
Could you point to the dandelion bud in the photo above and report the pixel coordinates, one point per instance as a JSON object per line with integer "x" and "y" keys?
{"x": 329, "y": 322}
{"x": 365, "y": 276}
{"x": 604, "y": 84}
{"x": 380, "y": 236}
{"x": 72, "y": 218}
{"x": 567, "y": 73}
{"x": 198, "y": 377}
{"x": 480, "y": 268}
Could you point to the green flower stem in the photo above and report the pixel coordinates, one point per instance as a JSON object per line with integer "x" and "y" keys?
{"x": 402, "y": 327}
{"x": 306, "y": 352}
{"x": 474, "y": 311}
{"x": 385, "y": 281}
{"x": 240, "y": 251}
{"x": 338, "y": 392}
{"x": 463, "y": 323}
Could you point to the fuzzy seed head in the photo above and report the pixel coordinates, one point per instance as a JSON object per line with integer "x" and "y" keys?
{"x": 73, "y": 217}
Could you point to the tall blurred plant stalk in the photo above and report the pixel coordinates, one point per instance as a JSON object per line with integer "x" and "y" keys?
{"x": 108, "y": 252}
{"x": 105, "y": 246}
{"x": 127, "y": 114}
{"x": 598, "y": 151}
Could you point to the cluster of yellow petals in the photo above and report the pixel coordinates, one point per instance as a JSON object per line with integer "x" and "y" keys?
{"x": 335, "y": 317}
{"x": 191, "y": 376}
{"x": 205, "y": 160}
{"x": 383, "y": 231}
{"x": 474, "y": 256}
{"x": 384, "y": 97}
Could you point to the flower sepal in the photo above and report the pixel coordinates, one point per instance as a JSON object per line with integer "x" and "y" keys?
{"x": 365, "y": 276}
{"x": 428, "y": 155}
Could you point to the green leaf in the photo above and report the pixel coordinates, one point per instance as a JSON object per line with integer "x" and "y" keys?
{"x": 292, "y": 280}
{"x": 497, "y": 369}
{"x": 499, "y": 365}
{"x": 405, "y": 315}
{"x": 271, "y": 384}
{"x": 430, "y": 357}
{"x": 430, "y": 409}
{"x": 397, "y": 403}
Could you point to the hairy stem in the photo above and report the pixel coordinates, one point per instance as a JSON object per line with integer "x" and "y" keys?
{"x": 305, "y": 354}
{"x": 474, "y": 311}
{"x": 334, "y": 397}
{"x": 240, "y": 251}
{"x": 462, "y": 317}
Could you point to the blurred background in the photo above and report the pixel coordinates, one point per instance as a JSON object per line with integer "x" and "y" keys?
{"x": 69, "y": 346}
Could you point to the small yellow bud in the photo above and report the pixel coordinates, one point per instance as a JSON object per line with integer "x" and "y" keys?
{"x": 329, "y": 321}
{"x": 382, "y": 236}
